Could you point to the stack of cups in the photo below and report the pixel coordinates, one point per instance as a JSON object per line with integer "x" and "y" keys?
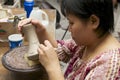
{"x": 28, "y": 6}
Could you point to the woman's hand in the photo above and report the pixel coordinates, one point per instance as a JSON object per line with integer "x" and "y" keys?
{"x": 41, "y": 30}
{"x": 39, "y": 26}
{"x": 47, "y": 56}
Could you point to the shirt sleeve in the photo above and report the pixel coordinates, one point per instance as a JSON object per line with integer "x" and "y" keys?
{"x": 66, "y": 49}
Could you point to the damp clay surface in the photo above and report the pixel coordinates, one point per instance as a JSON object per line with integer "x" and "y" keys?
{"x": 15, "y": 58}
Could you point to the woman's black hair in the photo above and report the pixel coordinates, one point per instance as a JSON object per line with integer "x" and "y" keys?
{"x": 83, "y": 9}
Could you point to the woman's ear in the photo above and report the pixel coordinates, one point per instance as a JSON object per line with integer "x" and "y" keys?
{"x": 94, "y": 21}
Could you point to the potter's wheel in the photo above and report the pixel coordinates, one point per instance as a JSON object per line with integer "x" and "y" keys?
{"x": 14, "y": 60}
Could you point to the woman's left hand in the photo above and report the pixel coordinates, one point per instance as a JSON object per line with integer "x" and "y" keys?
{"x": 48, "y": 57}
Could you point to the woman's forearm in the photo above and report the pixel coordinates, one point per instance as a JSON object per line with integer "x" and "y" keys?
{"x": 44, "y": 35}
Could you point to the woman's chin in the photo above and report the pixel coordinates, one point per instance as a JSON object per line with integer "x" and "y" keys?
{"x": 77, "y": 41}
{"x": 74, "y": 40}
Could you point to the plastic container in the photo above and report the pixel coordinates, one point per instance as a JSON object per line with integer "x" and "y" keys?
{"x": 40, "y": 15}
{"x": 15, "y": 40}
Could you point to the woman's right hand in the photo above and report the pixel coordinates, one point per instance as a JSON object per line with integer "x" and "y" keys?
{"x": 36, "y": 23}
{"x": 40, "y": 30}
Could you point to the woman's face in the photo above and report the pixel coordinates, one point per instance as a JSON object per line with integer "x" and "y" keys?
{"x": 81, "y": 32}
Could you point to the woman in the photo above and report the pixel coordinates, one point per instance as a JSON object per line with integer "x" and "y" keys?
{"x": 93, "y": 54}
